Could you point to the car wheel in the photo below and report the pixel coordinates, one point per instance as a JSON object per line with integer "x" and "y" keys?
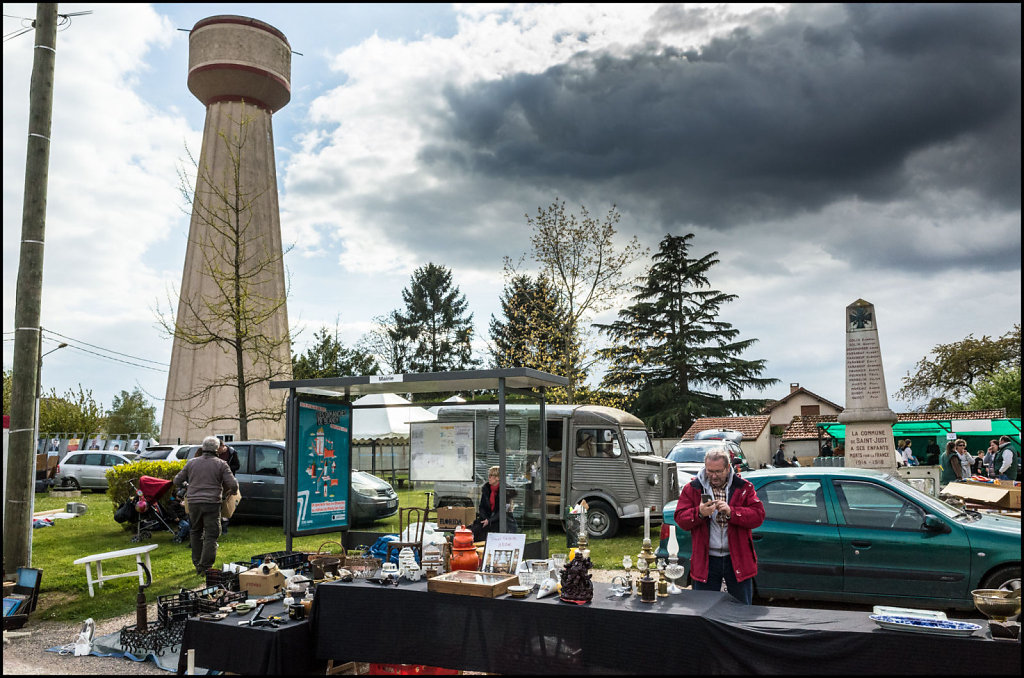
{"x": 602, "y": 523}
{"x": 1005, "y": 578}
{"x": 72, "y": 483}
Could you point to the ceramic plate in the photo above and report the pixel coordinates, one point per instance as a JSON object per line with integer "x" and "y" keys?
{"x": 920, "y": 625}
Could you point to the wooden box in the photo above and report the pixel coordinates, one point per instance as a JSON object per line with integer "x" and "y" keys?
{"x": 464, "y": 582}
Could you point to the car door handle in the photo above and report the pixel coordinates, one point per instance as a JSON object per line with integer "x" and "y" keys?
{"x": 258, "y": 482}
{"x": 861, "y": 543}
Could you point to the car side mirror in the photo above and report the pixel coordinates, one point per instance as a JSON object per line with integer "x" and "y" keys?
{"x": 933, "y": 524}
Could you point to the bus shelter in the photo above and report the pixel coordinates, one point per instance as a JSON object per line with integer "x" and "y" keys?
{"x": 322, "y": 393}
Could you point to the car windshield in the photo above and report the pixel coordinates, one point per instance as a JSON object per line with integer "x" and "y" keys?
{"x": 691, "y": 452}
{"x": 155, "y": 453}
{"x": 638, "y": 442}
{"x": 933, "y": 505}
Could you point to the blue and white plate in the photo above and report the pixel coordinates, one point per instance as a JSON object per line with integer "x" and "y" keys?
{"x": 946, "y": 627}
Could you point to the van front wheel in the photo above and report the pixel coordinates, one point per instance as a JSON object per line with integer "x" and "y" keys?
{"x": 602, "y": 522}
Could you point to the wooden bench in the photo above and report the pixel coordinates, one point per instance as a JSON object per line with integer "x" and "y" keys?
{"x": 137, "y": 551}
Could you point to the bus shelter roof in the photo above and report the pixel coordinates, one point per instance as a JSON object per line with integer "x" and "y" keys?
{"x": 515, "y": 378}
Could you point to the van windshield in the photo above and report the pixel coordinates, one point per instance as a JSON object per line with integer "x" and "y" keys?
{"x": 638, "y": 442}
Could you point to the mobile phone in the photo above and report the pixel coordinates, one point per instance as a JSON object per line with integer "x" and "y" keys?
{"x": 704, "y": 498}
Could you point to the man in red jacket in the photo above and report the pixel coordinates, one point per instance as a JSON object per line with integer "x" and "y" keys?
{"x": 720, "y": 509}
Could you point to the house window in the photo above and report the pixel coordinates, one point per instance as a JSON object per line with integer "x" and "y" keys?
{"x": 810, "y": 410}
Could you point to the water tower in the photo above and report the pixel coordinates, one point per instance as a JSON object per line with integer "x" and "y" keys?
{"x": 240, "y": 68}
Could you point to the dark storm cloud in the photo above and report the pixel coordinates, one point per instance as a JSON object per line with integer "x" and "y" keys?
{"x": 786, "y": 115}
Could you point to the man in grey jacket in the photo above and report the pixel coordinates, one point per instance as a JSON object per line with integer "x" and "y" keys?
{"x": 209, "y": 478}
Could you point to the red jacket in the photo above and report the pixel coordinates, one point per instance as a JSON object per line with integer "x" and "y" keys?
{"x": 747, "y": 513}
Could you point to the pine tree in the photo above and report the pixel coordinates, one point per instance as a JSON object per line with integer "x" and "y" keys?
{"x": 532, "y": 332}
{"x": 436, "y": 322}
{"x": 672, "y": 351}
{"x": 328, "y": 357}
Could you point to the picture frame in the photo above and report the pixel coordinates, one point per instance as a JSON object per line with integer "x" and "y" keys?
{"x": 503, "y": 552}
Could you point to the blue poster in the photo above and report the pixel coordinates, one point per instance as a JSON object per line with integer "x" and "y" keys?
{"x": 324, "y": 466}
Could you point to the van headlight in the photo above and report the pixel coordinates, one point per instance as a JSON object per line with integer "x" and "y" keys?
{"x": 654, "y": 479}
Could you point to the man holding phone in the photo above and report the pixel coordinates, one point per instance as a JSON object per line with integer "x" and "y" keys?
{"x": 720, "y": 509}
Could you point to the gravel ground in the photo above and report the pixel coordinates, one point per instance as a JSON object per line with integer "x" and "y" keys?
{"x": 27, "y": 655}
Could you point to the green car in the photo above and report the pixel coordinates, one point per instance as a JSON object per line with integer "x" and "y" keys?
{"x": 863, "y": 536}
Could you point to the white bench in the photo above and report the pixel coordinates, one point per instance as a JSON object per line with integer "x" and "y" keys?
{"x": 137, "y": 551}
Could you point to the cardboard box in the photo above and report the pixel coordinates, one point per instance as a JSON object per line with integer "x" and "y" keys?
{"x": 450, "y": 517}
{"x": 1003, "y": 496}
{"x": 258, "y": 584}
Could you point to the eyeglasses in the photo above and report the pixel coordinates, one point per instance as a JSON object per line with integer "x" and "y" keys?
{"x": 961, "y": 444}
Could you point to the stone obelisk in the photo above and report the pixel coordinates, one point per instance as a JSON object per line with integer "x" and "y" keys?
{"x": 868, "y": 419}
{"x": 240, "y": 69}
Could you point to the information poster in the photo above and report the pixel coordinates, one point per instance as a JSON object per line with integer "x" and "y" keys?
{"x": 503, "y": 552}
{"x": 324, "y": 465}
{"x": 441, "y": 451}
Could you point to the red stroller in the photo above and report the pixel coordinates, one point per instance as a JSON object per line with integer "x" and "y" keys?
{"x": 150, "y": 514}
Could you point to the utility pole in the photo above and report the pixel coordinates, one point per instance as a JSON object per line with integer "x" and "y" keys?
{"x": 27, "y": 336}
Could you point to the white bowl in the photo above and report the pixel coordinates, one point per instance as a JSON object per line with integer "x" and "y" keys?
{"x": 519, "y": 591}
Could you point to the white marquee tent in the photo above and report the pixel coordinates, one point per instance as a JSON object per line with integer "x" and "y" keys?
{"x": 385, "y": 423}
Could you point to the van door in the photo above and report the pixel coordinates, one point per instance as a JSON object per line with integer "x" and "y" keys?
{"x": 599, "y": 465}
{"x": 555, "y": 443}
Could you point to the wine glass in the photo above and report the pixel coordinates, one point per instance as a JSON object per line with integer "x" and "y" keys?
{"x": 674, "y": 571}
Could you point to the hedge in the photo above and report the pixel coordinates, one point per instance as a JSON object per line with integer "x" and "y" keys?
{"x": 118, "y": 488}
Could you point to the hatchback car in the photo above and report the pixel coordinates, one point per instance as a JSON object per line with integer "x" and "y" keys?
{"x": 88, "y": 470}
{"x": 689, "y": 455}
{"x": 864, "y": 536}
{"x": 261, "y": 480}
{"x": 165, "y": 453}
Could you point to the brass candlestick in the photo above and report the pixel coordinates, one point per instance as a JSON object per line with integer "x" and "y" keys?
{"x": 662, "y": 581}
{"x": 647, "y": 553}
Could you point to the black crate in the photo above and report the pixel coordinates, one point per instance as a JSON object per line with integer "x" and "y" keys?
{"x": 286, "y": 560}
{"x": 222, "y": 579}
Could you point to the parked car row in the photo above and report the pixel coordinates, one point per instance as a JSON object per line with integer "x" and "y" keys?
{"x": 864, "y": 536}
{"x": 260, "y": 476}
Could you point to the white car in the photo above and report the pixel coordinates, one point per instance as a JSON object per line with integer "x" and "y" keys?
{"x": 165, "y": 453}
{"x": 88, "y": 470}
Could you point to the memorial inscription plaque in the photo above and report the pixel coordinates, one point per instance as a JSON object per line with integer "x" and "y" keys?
{"x": 868, "y": 419}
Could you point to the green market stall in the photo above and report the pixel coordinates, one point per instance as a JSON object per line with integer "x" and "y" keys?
{"x": 977, "y": 432}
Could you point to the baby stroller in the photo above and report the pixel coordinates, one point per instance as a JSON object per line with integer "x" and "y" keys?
{"x": 145, "y": 509}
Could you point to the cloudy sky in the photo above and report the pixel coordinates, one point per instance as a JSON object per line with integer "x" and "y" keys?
{"x": 827, "y": 153}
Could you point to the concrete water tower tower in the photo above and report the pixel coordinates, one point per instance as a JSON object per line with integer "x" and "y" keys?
{"x": 240, "y": 68}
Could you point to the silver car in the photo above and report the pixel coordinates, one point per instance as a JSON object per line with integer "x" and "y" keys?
{"x": 88, "y": 470}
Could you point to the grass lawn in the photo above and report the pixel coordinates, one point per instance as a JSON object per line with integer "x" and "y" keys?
{"x": 64, "y": 593}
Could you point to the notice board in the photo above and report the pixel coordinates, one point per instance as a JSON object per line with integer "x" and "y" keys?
{"x": 322, "y": 483}
{"x": 441, "y": 451}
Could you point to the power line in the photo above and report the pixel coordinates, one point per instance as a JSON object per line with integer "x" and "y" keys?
{"x": 107, "y": 357}
{"x": 79, "y": 341}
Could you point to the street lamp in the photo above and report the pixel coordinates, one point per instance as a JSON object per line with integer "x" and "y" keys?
{"x": 39, "y": 389}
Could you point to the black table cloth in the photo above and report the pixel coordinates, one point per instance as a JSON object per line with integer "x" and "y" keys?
{"x": 693, "y": 632}
{"x": 225, "y": 646}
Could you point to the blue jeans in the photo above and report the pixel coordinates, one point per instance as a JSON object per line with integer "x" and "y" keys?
{"x": 719, "y": 568}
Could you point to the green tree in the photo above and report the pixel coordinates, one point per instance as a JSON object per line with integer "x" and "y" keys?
{"x": 436, "y": 322}
{"x": 950, "y": 375}
{"x": 328, "y": 357}
{"x": 531, "y": 330}
{"x": 671, "y": 349}
{"x": 238, "y": 316}
{"x": 131, "y": 413}
{"x": 73, "y": 412}
{"x": 1000, "y": 389}
{"x": 578, "y": 256}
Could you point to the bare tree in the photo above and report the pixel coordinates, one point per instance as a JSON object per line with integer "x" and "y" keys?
{"x": 243, "y": 265}
{"x": 578, "y": 255}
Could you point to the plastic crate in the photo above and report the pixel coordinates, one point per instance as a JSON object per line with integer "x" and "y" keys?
{"x": 286, "y": 560}
{"x": 222, "y": 579}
